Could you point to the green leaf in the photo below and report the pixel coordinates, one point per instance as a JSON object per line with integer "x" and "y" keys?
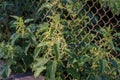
{"x": 98, "y": 31}
{"x": 14, "y": 37}
{"x": 38, "y": 71}
{"x": 117, "y": 48}
{"x": 45, "y": 5}
{"x": 72, "y": 54}
{"x": 116, "y": 34}
{"x": 28, "y": 20}
{"x": 40, "y": 62}
{"x": 69, "y": 33}
{"x": 39, "y": 66}
{"x": 56, "y": 50}
{"x": 26, "y": 48}
{"x": 34, "y": 39}
{"x": 111, "y": 44}
{"x": 97, "y": 77}
{"x": 51, "y": 70}
{"x": 43, "y": 27}
{"x": 73, "y": 72}
{"x": 31, "y": 28}
{"x": 42, "y": 44}
{"x": 102, "y": 65}
{"x": 114, "y": 64}
{"x": 15, "y": 17}
{"x": 5, "y": 71}
{"x": 36, "y": 52}
{"x": 52, "y": 31}
{"x": 83, "y": 59}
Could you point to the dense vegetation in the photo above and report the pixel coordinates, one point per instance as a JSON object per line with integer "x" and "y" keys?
{"x": 51, "y": 38}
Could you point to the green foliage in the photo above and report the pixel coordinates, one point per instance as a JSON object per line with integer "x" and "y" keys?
{"x": 55, "y": 46}
{"x": 114, "y": 4}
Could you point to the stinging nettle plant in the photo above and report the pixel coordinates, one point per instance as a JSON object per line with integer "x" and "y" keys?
{"x": 60, "y": 47}
{"x": 51, "y": 48}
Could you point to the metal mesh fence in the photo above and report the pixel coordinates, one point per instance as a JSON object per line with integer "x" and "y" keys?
{"x": 89, "y": 27}
{"x": 87, "y": 21}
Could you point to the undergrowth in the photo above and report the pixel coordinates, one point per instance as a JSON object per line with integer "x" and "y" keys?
{"x": 56, "y": 44}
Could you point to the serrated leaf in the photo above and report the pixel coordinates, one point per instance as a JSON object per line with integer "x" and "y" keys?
{"x": 38, "y": 71}
{"x": 111, "y": 44}
{"x": 43, "y": 27}
{"x": 33, "y": 39}
{"x": 5, "y": 71}
{"x": 14, "y": 37}
{"x": 102, "y": 65}
{"x": 36, "y": 52}
{"x": 15, "y": 17}
{"x": 51, "y": 70}
{"x": 116, "y": 34}
{"x": 39, "y": 62}
{"x": 56, "y": 50}
{"x": 28, "y": 20}
{"x": 45, "y": 5}
{"x": 42, "y": 44}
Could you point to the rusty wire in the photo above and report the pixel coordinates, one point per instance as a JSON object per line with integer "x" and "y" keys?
{"x": 98, "y": 16}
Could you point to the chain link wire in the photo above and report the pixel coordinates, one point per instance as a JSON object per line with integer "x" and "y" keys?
{"x": 85, "y": 19}
{"x": 88, "y": 23}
